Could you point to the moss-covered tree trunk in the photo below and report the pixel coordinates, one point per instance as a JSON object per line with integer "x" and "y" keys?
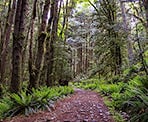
{"x": 79, "y": 55}
{"x": 129, "y": 42}
{"x": 6, "y": 38}
{"x": 53, "y": 38}
{"x": 115, "y": 47}
{"x": 18, "y": 39}
{"x": 146, "y": 13}
{"x": 35, "y": 69}
{"x": 145, "y": 2}
{"x": 43, "y": 76}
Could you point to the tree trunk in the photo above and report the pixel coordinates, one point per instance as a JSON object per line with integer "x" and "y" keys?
{"x": 145, "y": 2}
{"x": 18, "y": 39}
{"x": 36, "y": 69}
{"x": 79, "y": 54}
{"x": 30, "y": 62}
{"x": 50, "y": 80}
{"x": 6, "y": 38}
{"x": 74, "y": 63}
{"x": 86, "y": 56}
{"x": 129, "y": 44}
{"x": 118, "y": 60}
{"x": 43, "y": 76}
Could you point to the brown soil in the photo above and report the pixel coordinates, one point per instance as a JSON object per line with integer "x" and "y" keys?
{"x": 82, "y": 106}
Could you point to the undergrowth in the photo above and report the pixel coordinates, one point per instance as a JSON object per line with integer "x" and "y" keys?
{"x": 24, "y": 103}
{"x": 127, "y": 101}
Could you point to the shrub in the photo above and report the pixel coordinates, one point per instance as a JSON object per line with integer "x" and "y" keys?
{"x": 24, "y": 103}
{"x": 137, "y": 106}
{"x": 108, "y": 89}
{"x": 5, "y": 105}
{"x": 115, "y": 79}
{"x": 139, "y": 82}
{"x": 90, "y": 86}
{"x": 144, "y": 81}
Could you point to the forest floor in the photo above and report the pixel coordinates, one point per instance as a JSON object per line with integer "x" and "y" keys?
{"x": 82, "y": 106}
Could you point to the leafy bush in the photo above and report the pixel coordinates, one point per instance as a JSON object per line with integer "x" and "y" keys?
{"x": 100, "y": 85}
{"x": 134, "y": 82}
{"x": 131, "y": 96}
{"x": 108, "y": 89}
{"x": 137, "y": 106}
{"x": 5, "y": 105}
{"x": 144, "y": 81}
{"x": 24, "y": 103}
{"x": 119, "y": 98}
{"x": 124, "y": 92}
{"x": 115, "y": 79}
{"x": 90, "y": 86}
{"x": 139, "y": 82}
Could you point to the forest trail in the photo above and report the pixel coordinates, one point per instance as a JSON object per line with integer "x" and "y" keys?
{"x": 82, "y": 106}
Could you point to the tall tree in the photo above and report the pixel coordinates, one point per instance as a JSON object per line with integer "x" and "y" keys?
{"x": 108, "y": 44}
{"x": 47, "y": 59}
{"x": 129, "y": 44}
{"x": 6, "y": 37}
{"x": 18, "y": 39}
{"x": 30, "y": 62}
{"x": 108, "y": 23}
{"x": 36, "y": 68}
{"x": 52, "y": 38}
{"x": 145, "y": 3}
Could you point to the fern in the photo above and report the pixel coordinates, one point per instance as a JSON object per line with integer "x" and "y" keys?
{"x": 137, "y": 106}
{"x": 23, "y": 103}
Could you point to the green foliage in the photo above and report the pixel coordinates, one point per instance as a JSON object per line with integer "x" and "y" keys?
{"x": 130, "y": 70}
{"x": 25, "y": 103}
{"x": 115, "y": 79}
{"x": 62, "y": 57}
{"x": 109, "y": 88}
{"x": 100, "y": 85}
{"x": 130, "y": 96}
{"x": 88, "y": 84}
{"x": 136, "y": 99}
{"x": 22, "y": 104}
{"x": 5, "y": 105}
{"x": 135, "y": 82}
{"x": 124, "y": 91}
{"x": 4, "y": 91}
{"x": 144, "y": 81}
{"x": 119, "y": 98}
{"x": 137, "y": 106}
{"x": 146, "y": 55}
{"x": 139, "y": 81}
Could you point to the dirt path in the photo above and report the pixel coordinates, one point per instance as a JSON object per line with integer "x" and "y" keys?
{"x": 82, "y": 106}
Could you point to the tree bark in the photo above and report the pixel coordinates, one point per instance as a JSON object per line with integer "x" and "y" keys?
{"x": 145, "y": 2}
{"x": 129, "y": 45}
{"x": 50, "y": 80}
{"x": 18, "y": 39}
{"x": 80, "y": 63}
{"x": 43, "y": 76}
{"x": 6, "y": 38}
{"x": 31, "y": 60}
{"x": 36, "y": 69}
